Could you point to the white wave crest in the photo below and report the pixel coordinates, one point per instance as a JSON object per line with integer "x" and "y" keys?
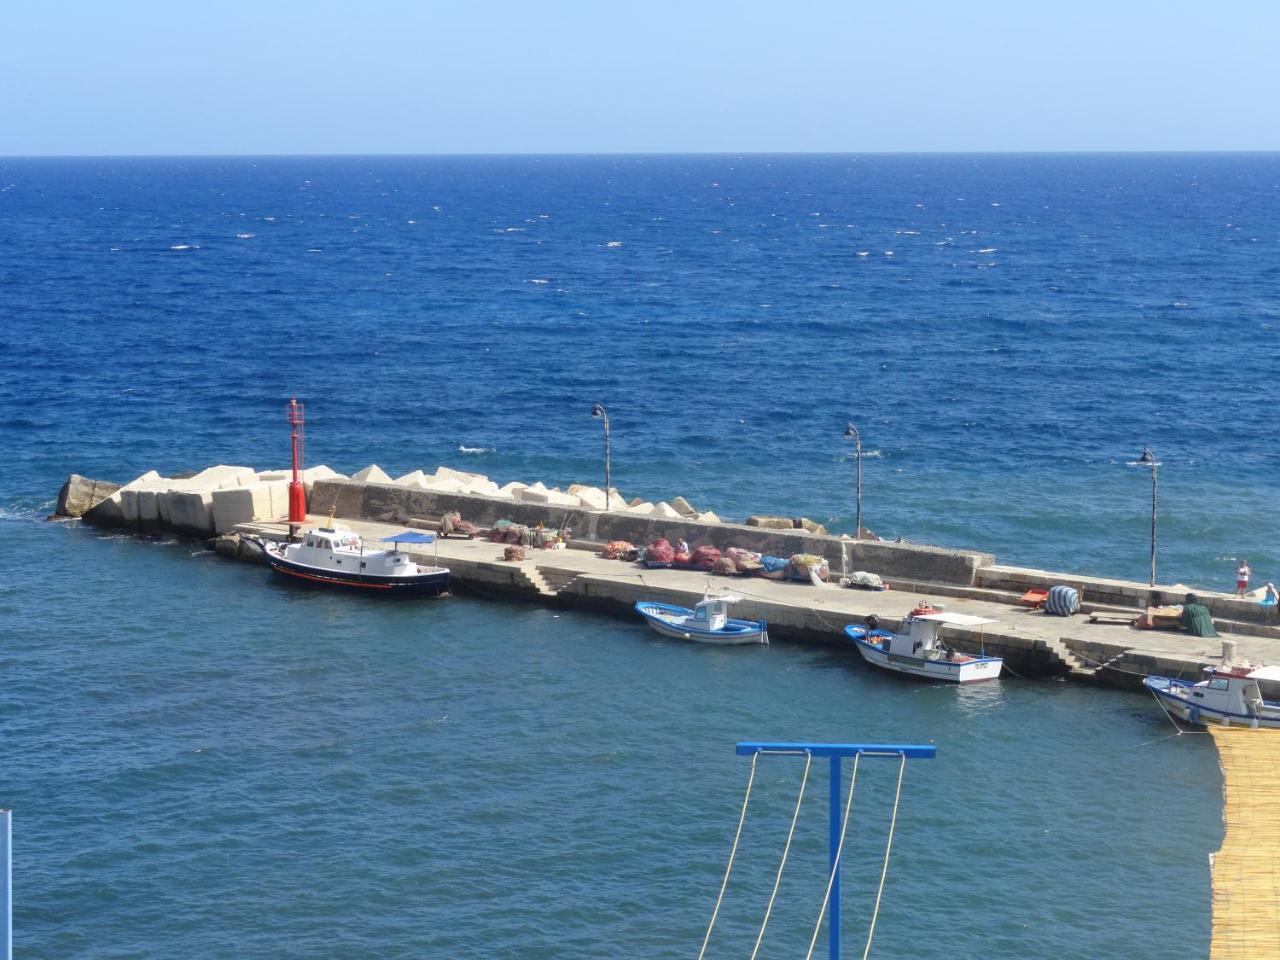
{"x": 465, "y": 449}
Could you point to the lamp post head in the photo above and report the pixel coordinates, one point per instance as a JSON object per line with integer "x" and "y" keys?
{"x": 850, "y": 431}
{"x": 597, "y": 411}
{"x": 1147, "y": 457}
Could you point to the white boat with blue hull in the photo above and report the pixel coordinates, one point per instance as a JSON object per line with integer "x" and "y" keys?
{"x": 919, "y": 650}
{"x": 1228, "y": 696}
{"x": 707, "y": 622}
{"x": 335, "y": 556}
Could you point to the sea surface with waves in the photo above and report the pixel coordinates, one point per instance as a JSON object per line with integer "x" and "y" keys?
{"x": 203, "y": 763}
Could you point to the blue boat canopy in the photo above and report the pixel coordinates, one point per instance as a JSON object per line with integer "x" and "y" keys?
{"x": 411, "y": 537}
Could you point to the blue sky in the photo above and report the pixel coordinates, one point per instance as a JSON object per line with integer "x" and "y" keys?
{"x": 281, "y": 76}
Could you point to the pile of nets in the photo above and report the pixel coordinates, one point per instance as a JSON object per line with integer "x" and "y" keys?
{"x": 660, "y": 551}
{"x": 617, "y": 550}
{"x": 744, "y": 561}
{"x": 862, "y": 580}
{"x": 809, "y": 566}
{"x": 508, "y": 531}
{"x": 513, "y": 553}
{"x": 725, "y": 567}
{"x": 704, "y": 558}
{"x": 452, "y": 523}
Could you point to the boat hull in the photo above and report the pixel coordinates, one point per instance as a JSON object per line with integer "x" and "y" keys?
{"x": 661, "y": 617}
{"x": 433, "y": 584}
{"x": 1173, "y": 696}
{"x": 973, "y": 670}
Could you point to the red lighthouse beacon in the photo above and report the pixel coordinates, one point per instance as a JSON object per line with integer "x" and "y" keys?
{"x": 297, "y": 495}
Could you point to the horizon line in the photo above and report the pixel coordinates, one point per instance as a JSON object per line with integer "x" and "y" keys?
{"x": 634, "y": 153}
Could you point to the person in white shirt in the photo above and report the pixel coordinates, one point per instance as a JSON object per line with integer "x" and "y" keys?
{"x": 1242, "y": 578}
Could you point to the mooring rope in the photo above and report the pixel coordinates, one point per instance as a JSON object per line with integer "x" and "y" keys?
{"x": 733, "y": 852}
{"x": 835, "y": 862}
{"x": 777, "y": 880}
{"x": 884, "y": 870}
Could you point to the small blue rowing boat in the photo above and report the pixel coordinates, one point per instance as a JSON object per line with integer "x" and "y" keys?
{"x": 707, "y": 622}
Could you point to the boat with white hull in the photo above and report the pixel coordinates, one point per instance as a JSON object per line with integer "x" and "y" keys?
{"x": 1228, "y": 696}
{"x": 919, "y": 651}
{"x": 707, "y": 622}
{"x": 335, "y": 556}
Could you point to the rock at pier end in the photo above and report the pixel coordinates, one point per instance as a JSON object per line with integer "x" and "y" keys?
{"x": 80, "y": 494}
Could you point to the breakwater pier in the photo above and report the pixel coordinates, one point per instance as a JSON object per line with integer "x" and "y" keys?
{"x": 228, "y": 503}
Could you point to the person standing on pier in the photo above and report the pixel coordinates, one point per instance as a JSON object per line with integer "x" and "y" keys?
{"x": 1242, "y": 577}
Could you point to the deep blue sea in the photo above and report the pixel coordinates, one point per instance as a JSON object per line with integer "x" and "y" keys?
{"x": 203, "y": 764}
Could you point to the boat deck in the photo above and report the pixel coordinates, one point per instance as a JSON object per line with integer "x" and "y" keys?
{"x": 1246, "y": 871}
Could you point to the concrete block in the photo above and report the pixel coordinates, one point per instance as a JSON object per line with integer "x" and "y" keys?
{"x": 242, "y": 504}
{"x": 549, "y": 498}
{"x": 448, "y": 473}
{"x": 683, "y": 507}
{"x": 371, "y": 474}
{"x": 213, "y": 478}
{"x": 414, "y": 479}
{"x": 276, "y": 474}
{"x": 590, "y": 497}
{"x": 666, "y": 511}
{"x": 445, "y": 485}
{"x": 311, "y": 475}
{"x": 483, "y": 487}
{"x": 80, "y": 494}
{"x": 643, "y": 508}
{"x": 190, "y": 511}
{"x": 511, "y": 490}
{"x": 708, "y": 517}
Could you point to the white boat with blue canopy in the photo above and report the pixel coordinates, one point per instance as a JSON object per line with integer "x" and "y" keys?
{"x": 336, "y": 556}
{"x": 707, "y": 622}
{"x": 1229, "y": 696}
{"x": 920, "y": 651}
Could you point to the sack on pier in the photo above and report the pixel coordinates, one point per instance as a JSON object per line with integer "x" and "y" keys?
{"x": 660, "y": 551}
{"x": 725, "y": 567}
{"x": 617, "y": 549}
{"x": 774, "y": 568}
{"x": 513, "y": 553}
{"x": 705, "y": 557}
{"x": 498, "y": 532}
{"x": 808, "y": 566}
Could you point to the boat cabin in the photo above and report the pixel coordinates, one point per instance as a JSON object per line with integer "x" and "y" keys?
{"x": 920, "y": 635}
{"x": 712, "y": 613}
{"x": 339, "y": 548}
{"x": 1232, "y": 689}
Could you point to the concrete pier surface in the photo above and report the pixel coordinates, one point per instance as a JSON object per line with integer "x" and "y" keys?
{"x": 1031, "y": 641}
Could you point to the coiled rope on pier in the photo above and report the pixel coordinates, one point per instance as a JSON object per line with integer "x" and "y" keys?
{"x": 733, "y": 852}
{"x": 777, "y": 880}
{"x": 835, "y": 861}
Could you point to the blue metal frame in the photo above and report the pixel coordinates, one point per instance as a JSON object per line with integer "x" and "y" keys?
{"x": 837, "y": 752}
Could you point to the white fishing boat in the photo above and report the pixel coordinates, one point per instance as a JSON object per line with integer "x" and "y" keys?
{"x": 1229, "y": 696}
{"x": 707, "y": 622}
{"x": 335, "y": 556}
{"x": 920, "y": 651}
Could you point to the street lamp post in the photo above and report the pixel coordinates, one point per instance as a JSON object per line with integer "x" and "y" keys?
{"x": 598, "y": 413}
{"x": 1148, "y": 459}
{"x": 851, "y": 432}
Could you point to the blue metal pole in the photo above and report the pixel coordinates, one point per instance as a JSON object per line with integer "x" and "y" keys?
{"x": 833, "y": 908}
{"x": 6, "y": 887}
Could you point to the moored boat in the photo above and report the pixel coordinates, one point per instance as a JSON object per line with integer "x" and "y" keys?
{"x": 335, "y": 556}
{"x": 707, "y": 622}
{"x": 1229, "y": 696}
{"x": 919, "y": 650}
